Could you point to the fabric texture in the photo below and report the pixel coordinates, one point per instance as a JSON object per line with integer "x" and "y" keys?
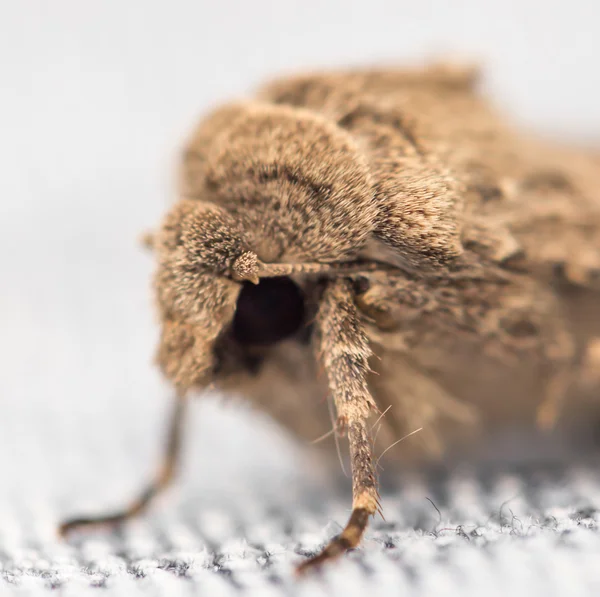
{"x": 490, "y": 529}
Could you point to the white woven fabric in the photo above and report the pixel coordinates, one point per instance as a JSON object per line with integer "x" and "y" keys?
{"x": 532, "y": 532}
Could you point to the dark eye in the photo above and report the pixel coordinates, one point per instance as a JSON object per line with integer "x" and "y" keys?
{"x": 268, "y": 312}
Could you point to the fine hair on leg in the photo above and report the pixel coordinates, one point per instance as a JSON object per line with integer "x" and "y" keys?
{"x": 344, "y": 352}
{"x": 164, "y": 476}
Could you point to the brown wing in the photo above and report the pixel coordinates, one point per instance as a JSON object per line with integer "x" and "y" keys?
{"x": 429, "y": 134}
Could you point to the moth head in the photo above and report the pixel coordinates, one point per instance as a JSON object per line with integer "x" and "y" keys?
{"x": 220, "y": 304}
{"x": 218, "y": 301}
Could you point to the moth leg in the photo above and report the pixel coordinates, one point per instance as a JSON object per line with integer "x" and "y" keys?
{"x": 591, "y": 362}
{"x": 165, "y": 475}
{"x": 344, "y": 353}
{"x": 377, "y": 303}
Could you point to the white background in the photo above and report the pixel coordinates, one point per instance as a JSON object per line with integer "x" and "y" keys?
{"x": 95, "y": 97}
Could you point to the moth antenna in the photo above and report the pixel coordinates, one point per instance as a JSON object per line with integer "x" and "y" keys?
{"x": 246, "y": 267}
{"x": 271, "y": 270}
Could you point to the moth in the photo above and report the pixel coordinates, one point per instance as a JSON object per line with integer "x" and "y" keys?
{"x": 383, "y": 238}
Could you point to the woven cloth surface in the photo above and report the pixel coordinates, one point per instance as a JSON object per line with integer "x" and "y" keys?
{"x": 470, "y": 532}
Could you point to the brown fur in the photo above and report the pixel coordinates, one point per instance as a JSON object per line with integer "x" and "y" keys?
{"x": 449, "y": 264}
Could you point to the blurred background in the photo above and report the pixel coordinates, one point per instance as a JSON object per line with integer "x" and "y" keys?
{"x": 95, "y": 99}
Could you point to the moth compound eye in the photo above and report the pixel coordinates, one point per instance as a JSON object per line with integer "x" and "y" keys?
{"x": 268, "y": 312}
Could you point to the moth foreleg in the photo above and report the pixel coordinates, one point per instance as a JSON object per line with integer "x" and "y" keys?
{"x": 344, "y": 353}
{"x": 165, "y": 475}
